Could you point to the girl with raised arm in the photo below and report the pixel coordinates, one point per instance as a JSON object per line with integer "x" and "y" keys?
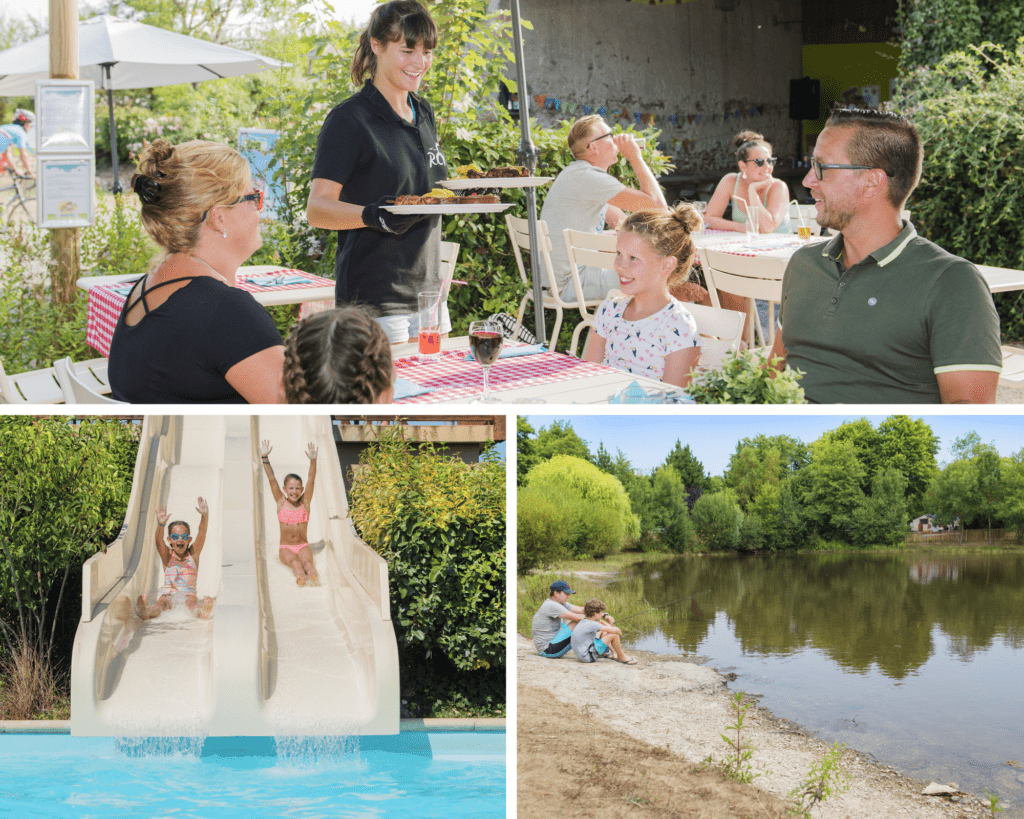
{"x": 181, "y": 564}
{"x": 293, "y": 514}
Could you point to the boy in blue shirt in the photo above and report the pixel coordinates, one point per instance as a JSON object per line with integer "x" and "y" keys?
{"x": 592, "y": 638}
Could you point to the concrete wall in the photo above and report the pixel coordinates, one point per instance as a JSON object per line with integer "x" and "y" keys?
{"x": 685, "y": 59}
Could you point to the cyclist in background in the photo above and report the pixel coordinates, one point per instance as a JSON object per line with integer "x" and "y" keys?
{"x": 16, "y": 135}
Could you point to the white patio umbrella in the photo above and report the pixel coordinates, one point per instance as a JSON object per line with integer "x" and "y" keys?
{"x": 119, "y": 54}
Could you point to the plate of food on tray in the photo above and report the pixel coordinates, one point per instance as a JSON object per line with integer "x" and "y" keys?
{"x": 444, "y": 201}
{"x": 471, "y": 177}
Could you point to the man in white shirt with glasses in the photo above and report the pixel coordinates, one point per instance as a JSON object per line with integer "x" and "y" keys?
{"x": 585, "y": 197}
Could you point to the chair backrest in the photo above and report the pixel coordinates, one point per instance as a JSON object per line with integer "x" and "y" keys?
{"x": 519, "y": 234}
{"x": 721, "y": 332}
{"x": 7, "y": 390}
{"x": 449, "y": 256}
{"x": 585, "y": 249}
{"x": 766, "y": 268}
{"x": 75, "y": 390}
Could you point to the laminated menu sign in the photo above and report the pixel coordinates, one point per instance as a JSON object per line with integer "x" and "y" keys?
{"x": 64, "y": 116}
{"x": 65, "y": 191}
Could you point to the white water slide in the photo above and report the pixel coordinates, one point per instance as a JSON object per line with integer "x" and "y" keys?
{"x": 275, "y": 659}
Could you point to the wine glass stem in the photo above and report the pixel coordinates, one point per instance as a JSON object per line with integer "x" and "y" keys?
{"x": 487, "y": 393}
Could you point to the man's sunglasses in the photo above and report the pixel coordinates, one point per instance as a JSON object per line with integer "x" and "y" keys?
{"x": 760, "y": 162}
{"x": 818, "y": 168}
{"x": 256, "y": 197}
{"x": 595, "y": 139}
{"x": 176, "y": 536}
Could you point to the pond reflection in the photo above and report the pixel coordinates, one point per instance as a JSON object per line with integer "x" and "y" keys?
{"x": 916, "y": 658}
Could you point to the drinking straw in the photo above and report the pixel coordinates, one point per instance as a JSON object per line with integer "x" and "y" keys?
{"x": 443, "y": 291}
{"x": 801, "y": 220}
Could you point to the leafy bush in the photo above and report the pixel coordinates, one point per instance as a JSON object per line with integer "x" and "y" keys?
{"x": 35, "y": 330}
{"x": 63, "y": 495}
{"x": 117, "y": 243}
{"x": 542, "y": 530}
{"x": 744, "y": 379}
{"x": 440, "y": 524}
{"x": 968, "y": 112}
{"x": 717, "y": 519}
{"x": 598, "y": 518}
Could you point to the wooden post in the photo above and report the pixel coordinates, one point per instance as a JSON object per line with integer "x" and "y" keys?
{"x": 64, "y": 242}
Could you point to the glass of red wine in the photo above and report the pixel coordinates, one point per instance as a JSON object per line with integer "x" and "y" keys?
{"x": 485, "y": 340}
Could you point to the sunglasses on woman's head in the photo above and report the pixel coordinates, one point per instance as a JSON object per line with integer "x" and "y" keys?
{"x": 256, "y": 197}
{"x": 176, "y": 536}
{"x": 760, "y": 162}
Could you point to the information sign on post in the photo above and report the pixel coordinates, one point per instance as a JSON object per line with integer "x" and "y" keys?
{"x": 64, "y": 117}
{"x": 65, "y": 151}
{"x": 64, "y": 197}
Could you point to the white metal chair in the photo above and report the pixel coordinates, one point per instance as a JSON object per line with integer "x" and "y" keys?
{"x": 1013, "y": 368}
{"x": 77, "y": 386}
{"x": 721, "y": 332}
{"x": 593, "y": 250}
{"x": 42, "y": 387}
{"x": 551, "y": 299}
{"x": 753, "y": 277}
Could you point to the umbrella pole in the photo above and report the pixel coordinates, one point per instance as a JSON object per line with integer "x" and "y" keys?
{"x": 528, "y": 157}
{"x": 113, "y": 130}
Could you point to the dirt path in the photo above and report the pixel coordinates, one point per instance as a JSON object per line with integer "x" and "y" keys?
{"x": 605, "y": 739}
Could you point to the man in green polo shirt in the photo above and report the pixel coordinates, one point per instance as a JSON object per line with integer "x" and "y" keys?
{"x": 880, "y": 314}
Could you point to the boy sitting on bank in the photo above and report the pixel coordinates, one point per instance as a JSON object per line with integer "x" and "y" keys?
{"x": 592, "y": 638}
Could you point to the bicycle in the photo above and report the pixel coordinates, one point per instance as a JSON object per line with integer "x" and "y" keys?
{"x": 24, "y": 187}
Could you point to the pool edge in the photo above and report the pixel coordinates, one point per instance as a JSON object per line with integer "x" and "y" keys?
{"x": 62, "y": 726}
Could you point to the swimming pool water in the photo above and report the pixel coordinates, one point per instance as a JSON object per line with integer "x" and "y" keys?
{"x": 454, "y": 775}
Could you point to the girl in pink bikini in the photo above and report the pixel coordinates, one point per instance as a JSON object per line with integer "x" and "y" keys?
{"x": 181, "y": 565}
{"x": 293, "y": 514}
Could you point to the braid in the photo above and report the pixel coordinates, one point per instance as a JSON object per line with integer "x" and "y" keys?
{"x": 339, "y": 356}
{"x": 295, "y": 389}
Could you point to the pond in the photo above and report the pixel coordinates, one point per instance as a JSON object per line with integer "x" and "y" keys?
{"x": 914, "y": 658}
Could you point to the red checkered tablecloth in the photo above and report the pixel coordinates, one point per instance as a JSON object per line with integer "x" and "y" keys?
{"x": 106, "y": 302}
{"x": 451, "y": 376}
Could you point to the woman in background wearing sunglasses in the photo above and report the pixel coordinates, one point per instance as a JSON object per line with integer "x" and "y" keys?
{"x": 186, "y": 334}
{"x": 752, "y": 186}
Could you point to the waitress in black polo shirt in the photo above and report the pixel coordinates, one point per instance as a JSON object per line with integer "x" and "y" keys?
{"x": 379, "y": 143}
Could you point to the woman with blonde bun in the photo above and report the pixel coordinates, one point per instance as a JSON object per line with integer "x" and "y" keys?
{"x": 186, "y": 334}
{"x": 645, "y": 330}
{"x": 752, "y": 186}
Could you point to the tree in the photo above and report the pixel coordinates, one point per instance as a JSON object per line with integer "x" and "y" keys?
{"x": 561, "y": 439}
{"x": 881, "y": 518}
{"x": 63, "y": 495}
{"x": 717, "y": 519}
{"x": 864, "y": 439}
{"x": 794, "y": 454}
{"x": 953, "y": 496}
{"x": 749, "y": 470}
{"x": 909, "y": 445}
{"x": 526, "y": 455}
{"x": 687, "y": 467}
{"x": 214, "y": 20}
{"x": 832, "y": 486}
{"x": 671, "y": 511}
{"x": 1011, "y": 508}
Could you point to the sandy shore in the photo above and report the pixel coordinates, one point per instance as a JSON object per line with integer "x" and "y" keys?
{"x": 670, "y": 702}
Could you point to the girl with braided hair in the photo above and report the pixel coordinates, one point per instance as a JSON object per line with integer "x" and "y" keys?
{"x": 339, "y": 356}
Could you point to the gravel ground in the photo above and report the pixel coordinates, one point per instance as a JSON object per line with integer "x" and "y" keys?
{"x": 671, "y": 702}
